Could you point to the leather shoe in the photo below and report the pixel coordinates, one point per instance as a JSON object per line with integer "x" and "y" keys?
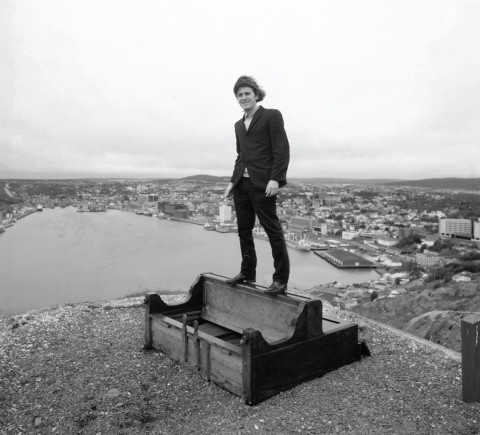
{"x": 238, "y": 279}
{"x": 276, "y": 288}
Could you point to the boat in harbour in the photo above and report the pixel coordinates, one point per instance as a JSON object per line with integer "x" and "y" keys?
{"x": 302, "y": 245}
{"x": 314, "y": 246}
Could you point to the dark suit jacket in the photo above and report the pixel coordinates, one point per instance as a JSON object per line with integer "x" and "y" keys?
{"x": 263, "y": 149}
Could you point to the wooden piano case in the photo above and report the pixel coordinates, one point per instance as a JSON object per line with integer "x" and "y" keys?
{"x": 250, "y": 343}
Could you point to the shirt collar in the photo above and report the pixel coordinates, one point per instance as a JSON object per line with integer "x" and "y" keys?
{"x": 245, "y": 116}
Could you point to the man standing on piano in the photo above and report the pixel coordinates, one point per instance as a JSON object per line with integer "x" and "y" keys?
{"x": 263, "y": 154}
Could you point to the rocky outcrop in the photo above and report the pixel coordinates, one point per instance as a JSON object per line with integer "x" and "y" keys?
{"x": 441, "y": 327}
{"x": 397, "y": 311}
{"x": 430, "y": 312}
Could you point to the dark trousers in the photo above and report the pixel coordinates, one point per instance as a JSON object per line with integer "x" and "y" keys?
{"x": 248, "y": 203}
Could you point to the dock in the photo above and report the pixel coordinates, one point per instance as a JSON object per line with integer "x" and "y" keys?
{"x": 345, "y": 259}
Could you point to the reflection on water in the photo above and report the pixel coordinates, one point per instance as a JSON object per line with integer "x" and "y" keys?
{"x": 59, "y": 256}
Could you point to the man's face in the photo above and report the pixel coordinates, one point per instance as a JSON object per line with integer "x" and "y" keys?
{"x": 246, "y": 98}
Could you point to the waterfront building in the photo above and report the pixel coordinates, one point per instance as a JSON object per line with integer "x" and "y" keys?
{"x": 300, "y": 224}
{"x": 476, "y": 230}
{"x": 350, "y": 235}
{"x": 455, "y": 228}
{"x": 345, "y": 259}
{"x": 181, "y": 214}
{"x": 225, "y": 213}
{"x": 321, "y": 229}
{"x": 179, "y": 211}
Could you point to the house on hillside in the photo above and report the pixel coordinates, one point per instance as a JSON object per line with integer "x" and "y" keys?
{"x": 462, "y": 277}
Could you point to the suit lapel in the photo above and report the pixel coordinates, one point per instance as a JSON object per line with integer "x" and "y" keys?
{"x": 255, "y": 119}
{"x": 242, "y": 126}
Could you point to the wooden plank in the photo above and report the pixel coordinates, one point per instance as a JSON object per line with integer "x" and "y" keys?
{"x": 212, "y": 329}
{"x": 314, "y": 326}
{"x": 205, "y": 360}
{"x": 219, "y": 343}
{"x": 286, "y": 367}
{"x": 168, "y": 323}
{"x": 333, "y": 324}
{"x": 255, "y": 288}
{"x": 233, "y": 338}
{"x": 153, "y": 303}
{"x": 196, "y": 345}
{"x": 194, "y": 299}
{"x": 250, "y": 340}
{"x": 226, "y": 369}
{"x": 471, "y": 358}
{"x": 167, "y": 340}
{"x": 239, "y": 307}
{"x": 191, "y": 314}
{"x": 184, "y": 338}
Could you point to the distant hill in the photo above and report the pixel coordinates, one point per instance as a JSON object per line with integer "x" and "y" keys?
{"x": 441, "y": 183}
{"x": 358, "y": 181}
{"x": 206, "y": 179}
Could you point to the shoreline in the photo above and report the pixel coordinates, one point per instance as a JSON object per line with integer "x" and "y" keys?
{"x": 307, "y": 271}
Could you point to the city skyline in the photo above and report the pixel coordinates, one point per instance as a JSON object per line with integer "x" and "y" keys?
{"x": 367, "y": 89}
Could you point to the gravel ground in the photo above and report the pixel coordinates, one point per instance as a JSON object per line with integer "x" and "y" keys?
{"x": 82, "y": 370}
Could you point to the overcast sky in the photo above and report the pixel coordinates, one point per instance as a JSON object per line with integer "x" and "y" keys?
{"x": 367, "y": 88}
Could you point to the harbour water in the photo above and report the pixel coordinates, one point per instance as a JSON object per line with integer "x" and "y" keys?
{"x": 58, "y": 256}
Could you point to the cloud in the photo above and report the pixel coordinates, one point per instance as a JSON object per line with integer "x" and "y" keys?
{"x": 119, "y": 86}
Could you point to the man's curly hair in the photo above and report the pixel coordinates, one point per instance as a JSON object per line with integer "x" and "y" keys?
{"x": 249, "y": 81}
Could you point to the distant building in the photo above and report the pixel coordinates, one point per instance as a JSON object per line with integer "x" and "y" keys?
{"x": 181, "y": 214}
{"x": 430, "y": 239}
{"x": 225, "y": 213}
{"x": 404, "y": 232}
{"x": 428, "y": 259}
{"x": 476, "y": 230}
{"x": 321, "y": 229}
{"x": 300, "y": 224}
{"x": 455, "y": 228}
{"x": 179, "y": 211}
{"x": 142, "y": 198}
{"x": 345, "y": 259}
{"x": 350, "y": 235}
{"x": 387, "y": 241}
